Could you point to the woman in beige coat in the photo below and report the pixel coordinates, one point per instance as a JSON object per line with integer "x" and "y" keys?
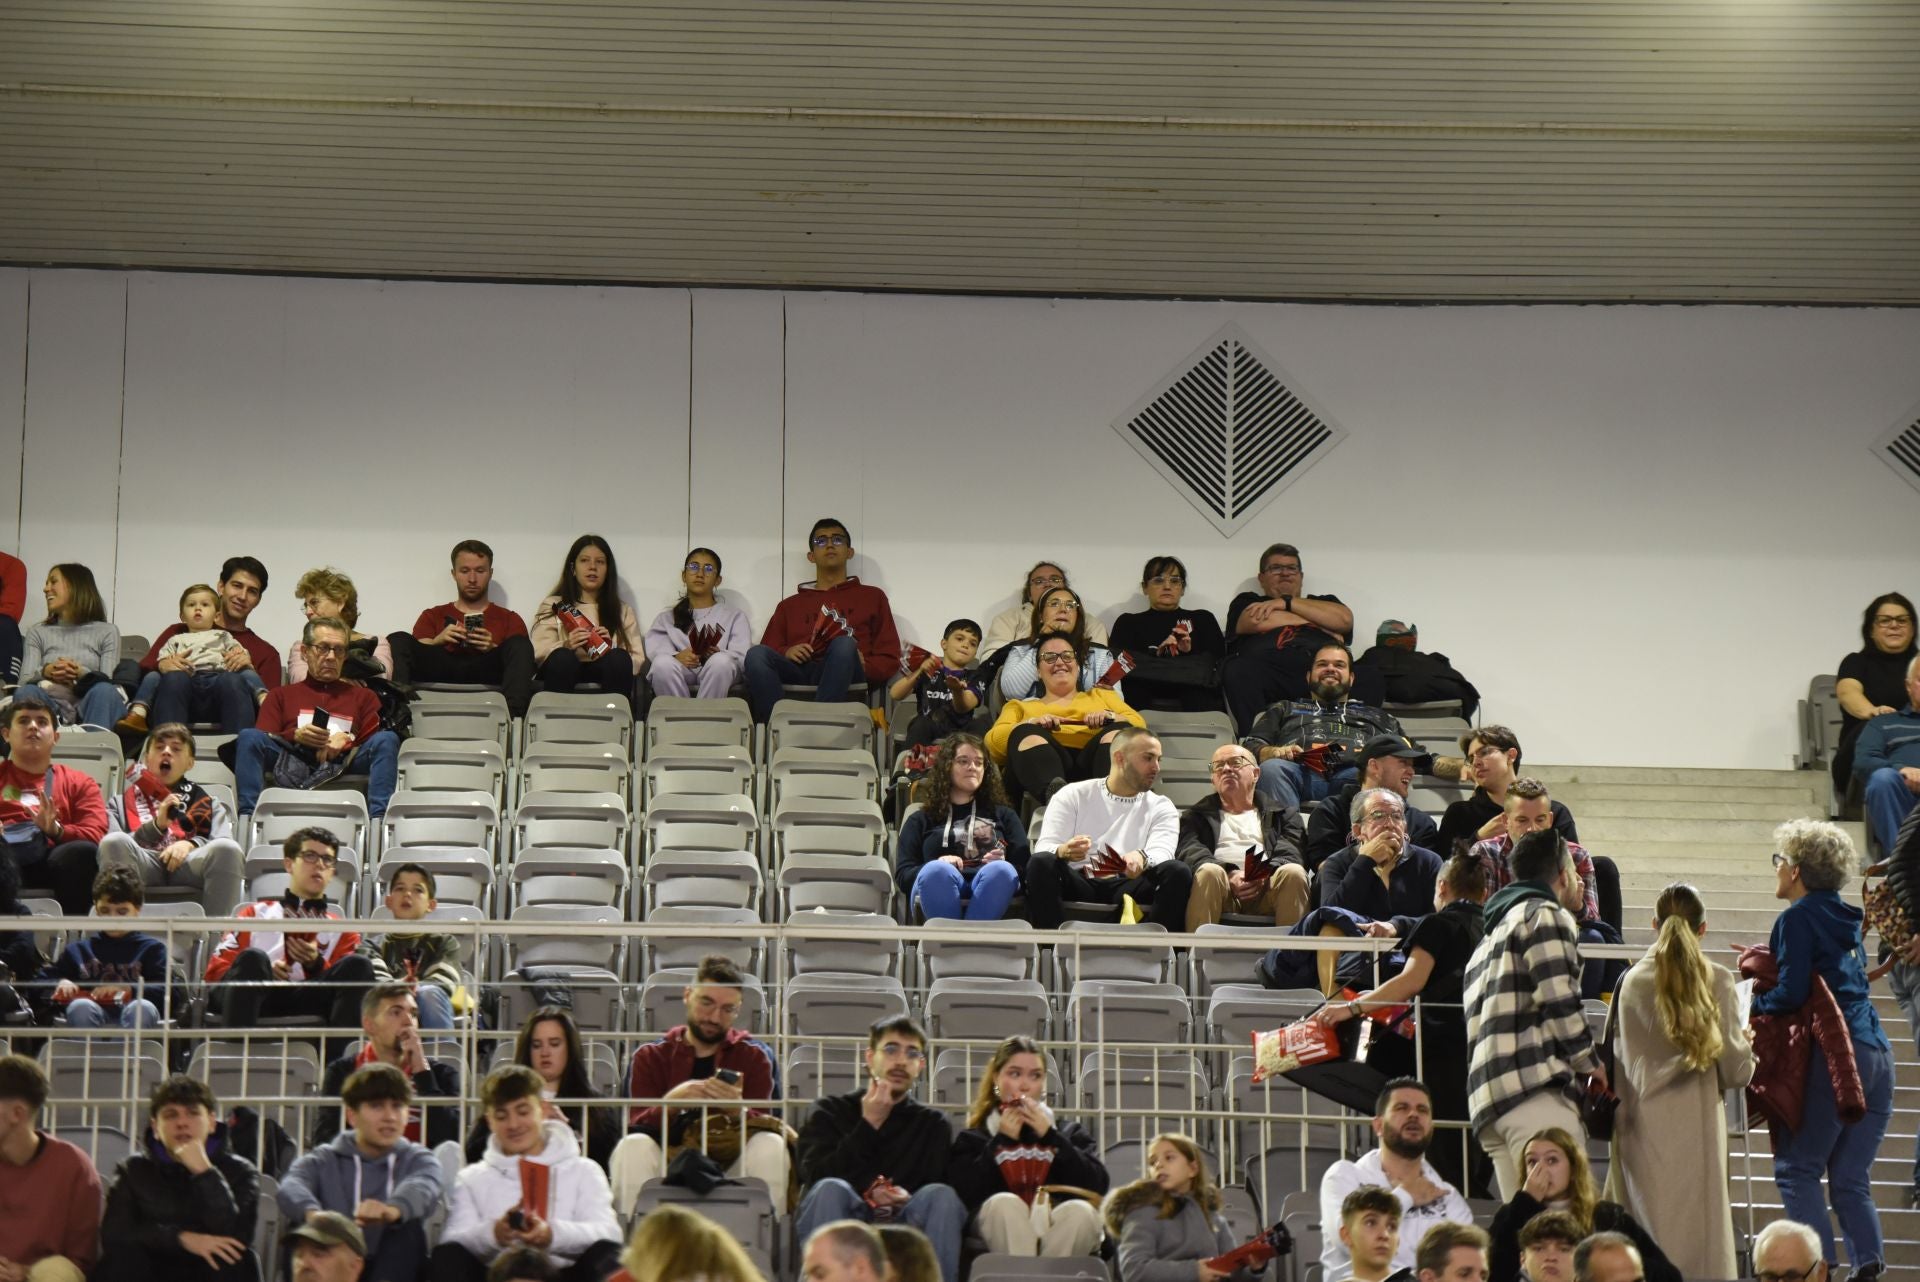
{"x": 1678, "y": 1044}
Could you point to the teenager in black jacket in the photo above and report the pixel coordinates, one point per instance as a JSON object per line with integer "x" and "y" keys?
{"x": 1013, "y": 1149}
{"x": 182, "y": 1208}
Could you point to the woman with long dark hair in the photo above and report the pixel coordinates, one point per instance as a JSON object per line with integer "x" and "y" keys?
{"x": 1872, "y": 681}
{"x": 1015, "y": 623}
{"x": 583, "y": 632}
{"x": 549, "y": 1044}
{"x": 70, "y": 654}
{"x": 1057, "y": 612}
{"x": 696, "y": 646}
{"x": 1012, "y": 1148}
{"x": 965, "y": 839}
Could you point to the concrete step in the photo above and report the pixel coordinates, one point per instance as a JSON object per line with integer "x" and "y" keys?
{"x": 1603, "y": 832}
{"x": 1589, "y": 813}
{"x": 1742, "y": 898}
{"x": 1579, "y": 797}
{"x": 1671, "y": 776}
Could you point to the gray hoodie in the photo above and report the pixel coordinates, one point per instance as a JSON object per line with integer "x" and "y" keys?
{"x": 338, "y": 1177}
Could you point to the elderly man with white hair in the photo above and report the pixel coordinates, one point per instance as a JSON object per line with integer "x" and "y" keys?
{"x": 1788, "y": 1251}
{"x": 1819, "y": 935}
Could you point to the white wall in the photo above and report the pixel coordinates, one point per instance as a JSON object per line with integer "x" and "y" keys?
{"x": 1639, "y": 529}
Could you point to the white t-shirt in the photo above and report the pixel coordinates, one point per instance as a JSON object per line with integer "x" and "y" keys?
{"x": 1146, "y": 821}
{"x": 1237, "y": 832}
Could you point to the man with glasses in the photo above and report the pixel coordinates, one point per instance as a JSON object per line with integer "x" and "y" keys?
{"x": 1386, "y": 761}
{"x": 1788, "y": 1251}
{"x": 318, "y": 971}
{"x": 828, "y": 634}
{"x": 1243, "y": 847}
{"x": 879, "y": 1156}
{"x": 469, "y": 640}
{"x": 313, "y": 730}
{"x": 706, "y": 1059}
{"x": 1307, "y": 747}
{"x": 1381, "y": 874}
{"x": 1272, "y": 635}
{"x": 1887, "y": 761}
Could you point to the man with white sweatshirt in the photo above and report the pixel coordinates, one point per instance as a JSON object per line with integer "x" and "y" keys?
{"x": 533, "y": 1188}
{"x": 374, "y": 1175}
{"x": 1107, "y": 838}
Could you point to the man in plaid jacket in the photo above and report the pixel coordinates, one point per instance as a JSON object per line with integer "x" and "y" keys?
{"x": 1532, "y": 1051}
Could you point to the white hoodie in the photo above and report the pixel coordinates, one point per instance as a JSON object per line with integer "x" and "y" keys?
{"x": 579, "y": 1203}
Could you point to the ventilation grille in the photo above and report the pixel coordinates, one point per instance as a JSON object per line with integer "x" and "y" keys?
{"x": 1900, "y": 448}
{"x": 1227, "y": 430}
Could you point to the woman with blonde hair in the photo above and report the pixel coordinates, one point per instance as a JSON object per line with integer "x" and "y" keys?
{"x": 1677, "y": 1047}
{"x": 1559, "y": 1179}
{"x": 326, "y": 593}
{"x": 1012, "y": 1148}
{"x": 674, "y": 1244}
{"x": 1169, "y": 1224}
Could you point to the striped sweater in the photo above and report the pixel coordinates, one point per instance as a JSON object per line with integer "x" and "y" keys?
{"x": 1524, "y": 1017}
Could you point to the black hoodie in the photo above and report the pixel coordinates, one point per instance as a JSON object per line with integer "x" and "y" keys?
{"x": 154, "y": 1200}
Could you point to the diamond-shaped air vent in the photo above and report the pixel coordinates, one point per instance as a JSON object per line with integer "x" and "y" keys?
{"x": 1899, "y": 449}
{"x": 1228, "y": 430}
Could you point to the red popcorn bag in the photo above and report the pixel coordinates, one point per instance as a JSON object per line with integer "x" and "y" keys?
{"x": 1179, "y": 640}
{"x": 571, "y": 618}
{"x": 1303, "y": 1042}
{"x": 535, "y": 1178}
{"x": 916, "y": 655}
{"x": 1024, "y": 1168}
{"x": 1315, "y": 758}
{"x": 1116, "y": 671}
{"x": 1398, "y": 1018}
{"x": 829, "y": 625}
{"x": 1257, "y": 868}
{"x": 1108, "y": 863}
{"x": 704, "y": 641}
{"x": 1256, "y": 1253}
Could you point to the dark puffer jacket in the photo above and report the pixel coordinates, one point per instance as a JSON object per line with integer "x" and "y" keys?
{"x": 1783, "y": 1050}
{"x": 154, "y": 1199}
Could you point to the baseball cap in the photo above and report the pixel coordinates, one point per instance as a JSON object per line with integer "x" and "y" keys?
{"x": 1394, "y": 628}
{"x": 330, "y": 1228}
{"x": 1389, "y": 745}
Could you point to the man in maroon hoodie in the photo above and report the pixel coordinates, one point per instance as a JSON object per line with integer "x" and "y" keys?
{"x": 826, "y": 634}
{"x": 309, "y": 732}
{"x": 52, "y": 817}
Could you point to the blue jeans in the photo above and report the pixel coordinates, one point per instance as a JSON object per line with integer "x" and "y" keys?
{"x": 1904, "y": 980}
{"x": 84, "y": 1012}
{"x": 1888, "y": 799}
{"x": 101, "y": 706}
{"x": 225, "y": 697}
{"x": 833, "y": 673}
{"x": 935, "y": 1210}
{"x": 436, "y": 1006}
{"x": 1294, "y": 784}
{"x": 940, "y": 885}
{"x": 378, "y": 754}
{"x": 1842, "y": 1153}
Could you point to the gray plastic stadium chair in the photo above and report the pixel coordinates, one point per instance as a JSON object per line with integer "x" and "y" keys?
{"x": 986, "y": 1008}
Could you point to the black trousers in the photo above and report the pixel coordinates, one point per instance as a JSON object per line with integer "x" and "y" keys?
{"x": 452, "y": 1263}
{"x": 129, "y": 1260}
{"x": 1035, "y": 768}
{"x": 248, "y": 991}
{"x": 66, "y": 872}
{"x": 612, "y": 671}
{"x": 1162, "y": 888}
{"x": 508, "y": 665}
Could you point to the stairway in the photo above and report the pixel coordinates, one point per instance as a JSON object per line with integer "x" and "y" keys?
{"x": 1714, "y": 830}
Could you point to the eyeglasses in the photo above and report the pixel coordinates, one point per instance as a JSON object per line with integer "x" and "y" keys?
{"x": 1073, "y": 601}
{"x": 1292, "y": 567}
{"x": 701, "y": 567}
{"x": 978, "y": 763}
{"x": 1382, "y": 816}
{"x": 895, "y": 1050}
{"x": 1893, "y": 621}
{"x": 1788, "y": 1275}
{"x": 319, "y": 648}
{"x": 1779, "y": 860}
{"x": 1487, "y": 750}
{"x": 315, "y": 857}
{"x": 729, "y": 1009}
{"x": 1058, "y": 659}
{"x": 830, "y": 541}
{"x": 1047, "y": 581}
{"x": 1238, "y": 763}
{"x": 1166, "y": 581}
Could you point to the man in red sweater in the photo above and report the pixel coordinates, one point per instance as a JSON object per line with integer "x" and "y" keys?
{"x": 51, "y": 1229}
{"x": 52, "y": 817}
{"x": 253, "y": 665}
{"x": 827, "y": 633}
{"x": 469, "y": 640}
{"x": 311, "y": 731}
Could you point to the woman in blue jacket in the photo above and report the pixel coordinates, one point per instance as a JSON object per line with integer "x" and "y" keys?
{"x": 1819, "y": 934}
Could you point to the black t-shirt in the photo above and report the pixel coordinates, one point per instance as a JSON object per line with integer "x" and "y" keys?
{"x": 702, "y": 1067}
{"x": 1302, "y": 636}
{"x": 1883, "y": 676}
{"x": 1449, "y": 936}
{"x": 1145, "y": 629}
{"x": 1464, "y": 817}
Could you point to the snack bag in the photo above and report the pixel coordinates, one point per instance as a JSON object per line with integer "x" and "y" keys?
{"x": 1179, "y": 640}
{"x": 1256, "y": 1253}
{"x": 1108, "y": 863}
{"x": 916, "y": 655}
{"x": 1303, "y": 1042}
{"x": 1257, "y": 868}
{"x": 829, "y": 625}
{"x": 1116, "y": 671}
{"x": 704, "y": 641}
{"x": 570, "y": 618}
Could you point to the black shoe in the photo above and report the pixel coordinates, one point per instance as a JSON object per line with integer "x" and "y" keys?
{"x": 1054, "y": 785}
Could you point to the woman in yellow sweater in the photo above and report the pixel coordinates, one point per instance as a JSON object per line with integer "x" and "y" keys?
{"x": 1061, "y": 735}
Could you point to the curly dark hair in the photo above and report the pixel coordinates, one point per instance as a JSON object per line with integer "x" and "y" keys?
{"x": 992, "y": 794}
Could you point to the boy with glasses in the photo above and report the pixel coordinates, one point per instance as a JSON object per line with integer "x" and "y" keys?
{"x": 319, "y": 972}
{"x": 879, "y": 1156}
{"x": 828, "y": 634}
